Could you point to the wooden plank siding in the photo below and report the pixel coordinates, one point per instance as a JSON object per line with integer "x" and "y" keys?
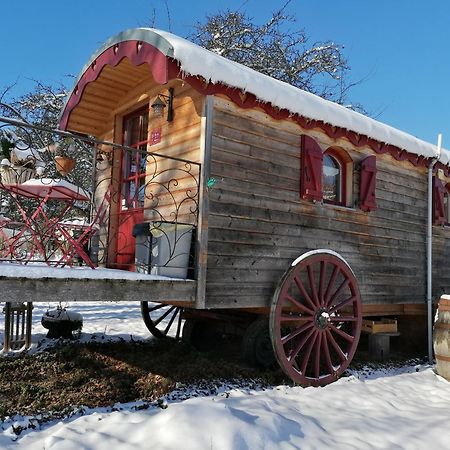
{"x": 179, "y": 139}
{"x": 258, "y": 224}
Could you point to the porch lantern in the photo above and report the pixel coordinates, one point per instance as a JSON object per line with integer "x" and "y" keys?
{"x": 160, "y": 103}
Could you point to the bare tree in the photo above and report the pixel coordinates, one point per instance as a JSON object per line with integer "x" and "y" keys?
{"x": 41, "y": 106}
{"x": 274, "y": 49}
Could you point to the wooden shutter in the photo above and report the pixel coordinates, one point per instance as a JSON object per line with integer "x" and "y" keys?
{"x": 311, "y": 169}
{"x": 438, "y": 202}
{"x": 368, "y": 184}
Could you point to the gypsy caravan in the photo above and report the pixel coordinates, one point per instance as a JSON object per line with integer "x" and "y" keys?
{"x": 247, "y": 203}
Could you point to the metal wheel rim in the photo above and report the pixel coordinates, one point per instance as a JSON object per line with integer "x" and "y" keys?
{"x": 315, "y": 319}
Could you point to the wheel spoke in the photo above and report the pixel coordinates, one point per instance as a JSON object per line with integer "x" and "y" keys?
{"x": 336, "y": 347}
{"x": 177, "y": 336}
{"x": 317, "y": 361}
{"x": 298, "y": 304}
{"x": 343, "y": 319}
{"x": 296, "y": 332}
{"x": 323, "y": 271}
{"x": 343, "y": 285}
{"x": 174, "y": 315}
{"x": 326, "y": 352}
{"x": 308, "y": 353}
{"x": 304, "y": 293}
{"x": 331, "y": 284}
{"x": 293, "y": 355}
{"x": 312, "y": 285}
{"x": 293, "y": 318}
{"x": 156, "y": 307}
{"x": 163, "y": 316}
{"x": 341, "y": 333}
{"x": 342, "y": 304}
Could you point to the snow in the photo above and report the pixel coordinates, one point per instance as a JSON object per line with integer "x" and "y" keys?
{"x": 44, "y": 271}
{"x": 404, "y": 408}
{"x": 197, "y": 61}
{"x": 59, "y": 183}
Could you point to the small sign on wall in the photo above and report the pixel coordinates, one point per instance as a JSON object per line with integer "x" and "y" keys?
{"x": 155, "y": 136}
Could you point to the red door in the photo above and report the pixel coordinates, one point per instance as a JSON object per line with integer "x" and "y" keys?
{"x": 131, "y": 209}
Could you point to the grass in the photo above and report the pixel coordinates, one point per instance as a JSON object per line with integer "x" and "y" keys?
{"x": 102, "y": 374}
{"x": 95, "y": 374}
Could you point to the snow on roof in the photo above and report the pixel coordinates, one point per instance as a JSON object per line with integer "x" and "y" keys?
{"x": 197, "y": 61}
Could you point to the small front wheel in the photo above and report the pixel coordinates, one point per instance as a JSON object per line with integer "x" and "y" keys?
{"x": 163, "y": 321}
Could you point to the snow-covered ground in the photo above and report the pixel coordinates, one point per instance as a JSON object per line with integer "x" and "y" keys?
{"x": 406, "y": 408}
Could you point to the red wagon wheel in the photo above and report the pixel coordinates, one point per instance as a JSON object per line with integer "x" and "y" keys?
{"x": 315, "y": 318}
{"x": 163, "y": 321}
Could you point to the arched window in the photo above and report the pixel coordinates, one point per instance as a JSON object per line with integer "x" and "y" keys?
{"x": 333, "y": 178}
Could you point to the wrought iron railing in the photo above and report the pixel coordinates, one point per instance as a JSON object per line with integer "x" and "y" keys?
{"x": 105, "y": 212}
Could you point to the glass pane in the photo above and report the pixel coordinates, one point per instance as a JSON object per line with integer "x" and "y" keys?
{"x": 128, "y": 191}
{"x": 331, "y": 179}
{"x": 133, "y": 131}
{"x": 141, "y": 194}
{"x": 143, "y": 136}
{"x": 135, "y": 163}
{"x": 143, "y": 162}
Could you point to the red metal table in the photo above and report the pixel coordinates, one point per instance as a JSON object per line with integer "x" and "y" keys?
{"x": 37, "y": 222}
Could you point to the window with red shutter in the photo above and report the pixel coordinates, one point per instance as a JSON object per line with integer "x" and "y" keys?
{"x": 368, "y": 184}
{"x": 311, "y": 169}
{"x": 438, "y": 202}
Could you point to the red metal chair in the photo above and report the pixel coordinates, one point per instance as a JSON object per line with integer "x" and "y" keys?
{"x": 78, "y": 235}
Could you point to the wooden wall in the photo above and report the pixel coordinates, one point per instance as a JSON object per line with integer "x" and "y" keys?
{"x": 258, "y": 224}
{"x": 179, "y": 139}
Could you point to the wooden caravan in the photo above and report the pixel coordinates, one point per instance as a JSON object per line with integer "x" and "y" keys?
{"x": 299, "y": 211}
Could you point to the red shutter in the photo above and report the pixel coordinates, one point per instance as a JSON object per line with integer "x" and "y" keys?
{"x": 438, "y": 202}
{"x": 311, "y": 169}
{"x": 368, "y": 184}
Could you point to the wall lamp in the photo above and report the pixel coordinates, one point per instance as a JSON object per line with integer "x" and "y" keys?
{"x": 161, "y": 102}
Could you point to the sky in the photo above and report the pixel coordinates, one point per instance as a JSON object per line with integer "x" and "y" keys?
{"x": 397, "y": 49}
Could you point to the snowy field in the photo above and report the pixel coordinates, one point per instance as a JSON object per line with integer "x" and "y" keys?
{"x": 407, "y": 408}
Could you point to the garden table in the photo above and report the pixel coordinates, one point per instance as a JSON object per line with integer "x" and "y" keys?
{"x": 38, "y": 224}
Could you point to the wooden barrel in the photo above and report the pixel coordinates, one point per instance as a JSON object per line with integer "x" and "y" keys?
{"x": 441, "y": 337}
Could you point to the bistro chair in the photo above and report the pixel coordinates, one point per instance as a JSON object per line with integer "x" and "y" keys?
{"x": 78, "y": 235}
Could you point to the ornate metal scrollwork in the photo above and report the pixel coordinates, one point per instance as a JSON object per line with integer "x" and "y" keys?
{"x": 123, "y": 187}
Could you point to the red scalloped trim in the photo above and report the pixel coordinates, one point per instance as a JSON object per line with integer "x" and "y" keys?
{"x": 358, "y": 140}
{"x": 138, "y": 52}
{"x": 164, "y": 69}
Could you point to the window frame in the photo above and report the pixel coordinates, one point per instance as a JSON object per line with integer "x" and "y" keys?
{"x": 337, "y": 156}
{"x": 127, "y": 202}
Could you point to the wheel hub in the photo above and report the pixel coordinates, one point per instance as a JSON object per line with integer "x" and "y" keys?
{"x": 322, "y": 318}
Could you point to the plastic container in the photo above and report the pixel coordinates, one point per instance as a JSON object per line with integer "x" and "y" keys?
{"x": 143, "y": 247}
{"x": 171, "y": 249}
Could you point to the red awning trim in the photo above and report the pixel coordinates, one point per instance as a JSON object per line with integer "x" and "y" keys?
{"x": 165, "y": 68}
{"x": 136, "y": 51}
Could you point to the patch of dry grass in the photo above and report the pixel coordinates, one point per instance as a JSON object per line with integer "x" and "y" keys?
{"x": 101, "y": 374}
